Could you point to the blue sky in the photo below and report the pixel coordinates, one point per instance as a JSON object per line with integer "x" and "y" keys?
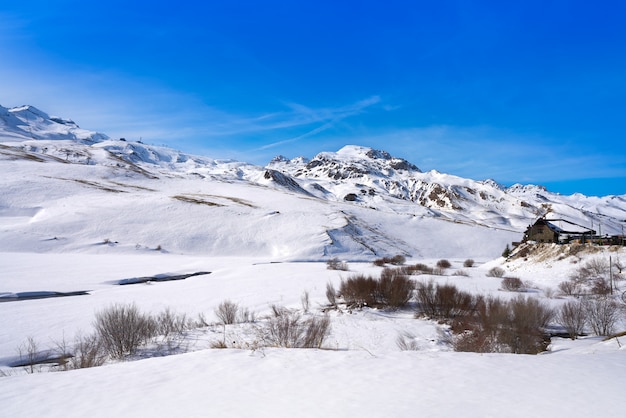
{"x": 520, "y": 92}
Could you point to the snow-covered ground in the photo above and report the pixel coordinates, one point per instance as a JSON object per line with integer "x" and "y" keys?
{"x": 361, "y": 370}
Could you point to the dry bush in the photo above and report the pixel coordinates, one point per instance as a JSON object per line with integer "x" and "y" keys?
{"x": 468, "y": 263}
{"x": 244, "y": 315}
{"x": 426, "y": 295}
{"x": 512, "y": 284}
{"x": 287, "y": 329}
{"x": 305, "y": 300}
{"x": 331, "y": 295}
{"x": 419, "y": 268}
{"x": 316, "y": 330}
{"x": 438, "y": 271}
{"x": 407, "y": 342}
{"x": 171, "y": 324}
{"x": 227, "y": 312}
{"x": 453, "y": 303}
{"x": 394, "y": 288}
{"x": 572, "y": 316}
{"x": 443, "y": 264}
{"x": 359, "y": 291}
{"x": 461, "y": 272}
{"x": 529, "y": 318}
{"x": 569, "y": 288}
{"x": 219, "y": 344}
{"x": 596, "y": 268}
{"x": 549, "y": 292}
{"x": 497, "y": 326}
{"x": 496, "y": 272}
{"x": 396, "y": 260}
{"x": 30, "y": 356}
{"x": 443, "y": 301}
{"x": 336, "y": 264}
{"x": 600, "y": 287}
{"x": 122, "y": 329}
{"x": 88, "y": 352}
{"x": 480, "y": 332}
{"x": 283, "y": 330}
{"x": 602, "y": 315}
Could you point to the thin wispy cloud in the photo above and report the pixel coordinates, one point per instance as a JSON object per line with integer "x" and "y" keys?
{"x": 327, "y": 116}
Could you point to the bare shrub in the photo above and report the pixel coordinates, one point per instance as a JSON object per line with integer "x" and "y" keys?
{"x": 336, "y": 264}
{"x": 122, "y": 329}
{"x": 407, "y": 342}
{"x": 244, "y": 315}
{"x": 602, "y": 315}
{"x": 201, "y": 321}
{"x": 497, "y": 326}
{"x": 572, "y": 316}
{"x": 170, "y": 323}
{"x": 88, "y": 352}
{"x": 596, "y": 268}
{"x": 600, "y": 287}
{"x": 468, "y": 263}
{"x": 461, "y": 272}
{"x": 481, "y": 332}
{"x": 443, "y": 301}
{"x": 438, "y": 271}
{"x": 549, "y": 292}
{"x": 512, "y": 284}
{"x": 305, "y": 300}
{"x": 444, "y": 264}
{"x": 316, "y": 329}
{"x": 278, "y": 310}
{"x": 227, "y": 312}
{"x": 529, "y": 318}
{"x": 496, "y": 272}
{"x": 283, "y": 330}
{"x": 398, "y": 260}
{"x": 331, "y": 295}
{"x": 452, "y": 302}
{"x": 394, "y": 288}
{"x": 359, "y": 291}
{"x": 288, "y": 330}
{"x": 219, "y": 344}
{"x": 419, "y": 268}
{"x": 29, "y": 355}
{"x": 426, "y": 296}
{"x": 569, "y": 288}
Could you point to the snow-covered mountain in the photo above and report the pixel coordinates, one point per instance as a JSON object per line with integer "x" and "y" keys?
{"x": 28, "y": 122}
{"x": 65, "y": 188}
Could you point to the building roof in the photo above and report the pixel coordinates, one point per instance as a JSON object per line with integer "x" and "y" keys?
{"x": 563, "y": 226}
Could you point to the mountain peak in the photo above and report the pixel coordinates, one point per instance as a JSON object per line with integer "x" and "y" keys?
{"x": 27, "y": 122}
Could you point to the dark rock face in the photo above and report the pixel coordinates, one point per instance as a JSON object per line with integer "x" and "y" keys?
{"x": 284, "y": 180}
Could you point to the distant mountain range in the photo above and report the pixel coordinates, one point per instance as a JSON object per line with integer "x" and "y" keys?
{"x": 352, "y": 179}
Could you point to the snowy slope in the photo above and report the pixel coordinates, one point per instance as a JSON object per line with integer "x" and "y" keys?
{"x": 25, "y": 122}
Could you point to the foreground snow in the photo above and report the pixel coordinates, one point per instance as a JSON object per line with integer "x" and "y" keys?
{"x": 313, "y": 383}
